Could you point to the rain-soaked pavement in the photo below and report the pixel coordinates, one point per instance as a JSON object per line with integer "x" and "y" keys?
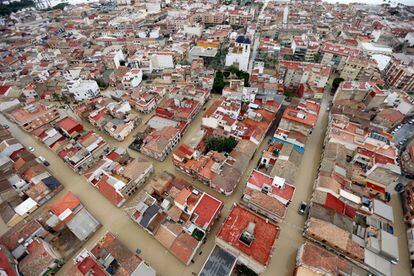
{"x": 115, "y": 220}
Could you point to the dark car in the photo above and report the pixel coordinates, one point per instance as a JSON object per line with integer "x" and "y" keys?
{"x": 46, "y": 163}
{"x": 302, "y": 208}
{"x": 399, "y": 188}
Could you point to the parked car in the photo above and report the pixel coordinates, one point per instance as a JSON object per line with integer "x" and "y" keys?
{"x": 399, "y": 188}
{"x": 31, "y": 149}
{"x": 302, "y": 208}
{"x": 6, "y": 126}
{"x": 42, "y": 160}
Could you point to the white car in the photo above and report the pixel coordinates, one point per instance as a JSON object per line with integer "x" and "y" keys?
{"x": 31, "y": 149}
{"x": 42, "y": 160}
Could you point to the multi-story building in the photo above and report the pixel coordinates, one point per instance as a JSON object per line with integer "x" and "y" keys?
{"x": 118, "y": 181}
{"x": 266, "y": 195}
{"x": 354, "y": 93}
{"x": 336, "y": 55}
{"x": 213, "y": 17}
{"x": 83, "y": 89}
{"x": 302, "y": 120}
{"x": 33, "y": 116}
{"x": 399, "y": 73}
{"x": 109, "y": 247}
{"x": 305, "y": 47}
{"x": 296, "y": 75}
{"x": 247, "y": 238}
{"x": 239, "y": 54}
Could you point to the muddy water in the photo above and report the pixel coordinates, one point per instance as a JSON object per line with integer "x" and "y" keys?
{"x": 115, "y": 220}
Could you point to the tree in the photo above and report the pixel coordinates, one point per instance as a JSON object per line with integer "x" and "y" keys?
{"x": 219, "y": 83}
{"x": 102, "y": 84}
{"x": 220, "y": 144}
{"x": 336, "y": 82}
{"x": 240, "y": 74}
{"x": 15, "y": 6}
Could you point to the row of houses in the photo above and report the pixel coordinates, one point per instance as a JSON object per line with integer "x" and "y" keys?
{"x": 176, "y": 214}
{"x": 42, "y": 244}
{"x": 165, "y": 128}
{"x": 26, "y": 183}
{"x": 111, "y": 170}
{"x": 349, "y": 214}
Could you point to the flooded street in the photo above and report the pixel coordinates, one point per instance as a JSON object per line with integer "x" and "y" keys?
{"x": 115, "y": 220}
{"x": 290, "y": 237}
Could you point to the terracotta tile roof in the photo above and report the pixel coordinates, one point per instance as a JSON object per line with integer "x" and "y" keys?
{"x": 317, "y": 259}
{"x": 266, "y": 202}
{"x": 335, "y": 237}
{"x": 265, "y": 234}
{"x": 207, "y": 209}
{"x": 22, "y": 230}
{"x": 88, "y": 266}
{"x": 127, "y": 260}
{"x": 38, "y": 259}
{"x": 184, "y": 246}
{"x": 69, "y": 201}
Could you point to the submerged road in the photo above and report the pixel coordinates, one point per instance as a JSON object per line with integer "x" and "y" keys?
{"x": 115, "y": 220}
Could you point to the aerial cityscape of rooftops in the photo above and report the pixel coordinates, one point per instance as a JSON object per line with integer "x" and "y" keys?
{"x": 207, "y": 137}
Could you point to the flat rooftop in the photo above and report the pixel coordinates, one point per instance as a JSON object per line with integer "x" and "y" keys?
{"x": 159, "y": 123}
{"x": 219, "y": 263}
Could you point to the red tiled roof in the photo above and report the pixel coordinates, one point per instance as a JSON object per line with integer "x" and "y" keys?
{"x": 336, "y": 204}
{"x": 309, "y": 119}
{"x": 184, "y": 247}
{"x": 258, "y": 179}
{"x": 69, "y": 201}
{"x": 3, "y": 89}
{"x": 108, "y": 191}
{"x": 89, "y": 266}
{"x": 69, "y": 124}
{"x": 206, "y": 210}
{"x": 186, "y": 149}
{"x": 5, "y": 265}
{"x": 265, "y": 234}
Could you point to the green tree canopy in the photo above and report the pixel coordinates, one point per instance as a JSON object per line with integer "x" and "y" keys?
{"x": 220, "y": 144}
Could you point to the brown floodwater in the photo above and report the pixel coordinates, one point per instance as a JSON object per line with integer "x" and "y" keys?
{"x": 115, "y": 220}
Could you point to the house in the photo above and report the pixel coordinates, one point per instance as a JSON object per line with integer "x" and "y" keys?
{"x": 287, "y": 163}
{"x": 160, "y": 142}
{"x": 33, "y": 115}
{"x": 5, "y": 90}
{"x": 116, "y": 181}
{"x": 8, "y": 263}
{"x": 300, "y": 120}
{"x": 191, "y": 213}
{"x": 109, "y": 256}
{"x": 83, "y": 89}
{"x": 69, "y": 212}
{"x": 340, "y": 240}
{"x": 312, "y": 259}
{"x": 41, "y": 258}
{"x": 248, "y": 237}
{"x": 69, "y": 126}
{"x": 220, "y": 172}
{"x": 300, "y": 75}
{"x": 26, "y": 242}
{"x": 269, "y": 196}
{"x": 226, "y": 115}
{"x": 132, "y": 78}
{"x": 366, "y": 95}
